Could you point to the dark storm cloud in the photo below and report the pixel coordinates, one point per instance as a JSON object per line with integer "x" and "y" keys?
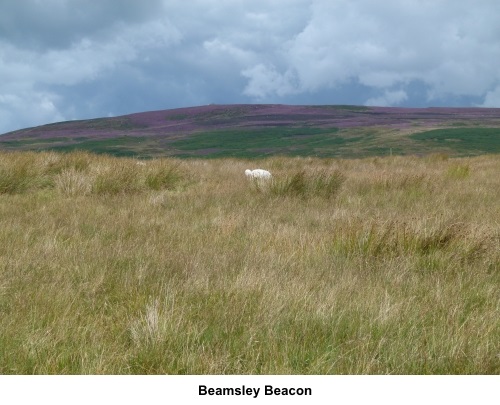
{"x": 56, "y": 23}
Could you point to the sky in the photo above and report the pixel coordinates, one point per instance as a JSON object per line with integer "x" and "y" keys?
{"x": 76, "y": 59}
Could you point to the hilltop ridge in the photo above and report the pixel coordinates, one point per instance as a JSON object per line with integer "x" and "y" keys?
{"x": 258, "y": 130}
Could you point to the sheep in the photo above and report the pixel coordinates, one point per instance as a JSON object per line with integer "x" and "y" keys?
{"x": 257, "y": 174}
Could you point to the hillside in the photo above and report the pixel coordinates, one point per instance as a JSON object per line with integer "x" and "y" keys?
{"x": 255, "y": 131}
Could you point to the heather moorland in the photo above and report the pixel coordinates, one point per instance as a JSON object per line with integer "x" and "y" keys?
{"x": 259, "y": 131}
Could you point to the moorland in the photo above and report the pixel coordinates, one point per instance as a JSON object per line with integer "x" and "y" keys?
{"x": 259, "y": 131}
{"x": 376, "y": 265}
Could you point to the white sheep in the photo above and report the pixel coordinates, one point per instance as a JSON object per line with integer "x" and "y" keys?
{"x": 257, "y": 174}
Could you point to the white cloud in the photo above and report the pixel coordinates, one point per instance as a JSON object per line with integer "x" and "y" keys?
{"x": 444, "y": 45}
{"x": 28, "y": 109}
{"x": 217, "y": 49}
{"x": 492, "y": 98}
{"x": 266, "y": 80}
{"x": 388, "y": 99}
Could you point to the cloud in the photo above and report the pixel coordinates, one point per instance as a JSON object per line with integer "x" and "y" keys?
{"x": 22, "y": 109}
{"x": 389, "y": 98}
{"x": 492, "y": 98}
{"x": 445, "y": 46}
{"x": 38, "y": 25}
{"x": 82, "y": 59}
{"x": 32, "y": 77}
{"x": 85, "y": 58}
{"x": 266, "y": 80}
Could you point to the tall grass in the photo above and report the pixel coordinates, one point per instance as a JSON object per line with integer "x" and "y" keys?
{"x": 318, "y": 183}
{"x": 373, "y": 266}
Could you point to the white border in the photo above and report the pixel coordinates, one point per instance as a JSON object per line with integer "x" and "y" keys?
{"x": 386, "y": 390}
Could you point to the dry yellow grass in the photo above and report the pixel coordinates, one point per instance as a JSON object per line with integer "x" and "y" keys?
{"x": 110, "y": 266}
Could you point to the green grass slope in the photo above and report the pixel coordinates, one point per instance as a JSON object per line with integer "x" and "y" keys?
{"x": 463, "y": 141}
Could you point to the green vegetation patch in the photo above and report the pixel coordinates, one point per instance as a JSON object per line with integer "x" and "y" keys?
{"x": 120, "y": 146}
{"x": 265, "y": 141}
{"x": 31, "y": 141}
{"x": 463, "y": 140}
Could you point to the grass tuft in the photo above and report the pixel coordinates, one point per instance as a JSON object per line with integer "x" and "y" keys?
{"x": 19, "y": 174}
{"x": 458, "y": 171}
{"x": 313, "y": 184}
{"x": 71, "y": 182}
{"x": 162, "y": 176}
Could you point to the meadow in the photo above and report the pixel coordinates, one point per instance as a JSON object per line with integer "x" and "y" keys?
{"x": 381, "y": 265}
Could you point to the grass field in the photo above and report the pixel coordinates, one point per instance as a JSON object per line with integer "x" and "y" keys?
{"x": 369, "y": 266}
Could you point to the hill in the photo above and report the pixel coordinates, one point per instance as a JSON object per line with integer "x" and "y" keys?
{"x": 255, "y": 131}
